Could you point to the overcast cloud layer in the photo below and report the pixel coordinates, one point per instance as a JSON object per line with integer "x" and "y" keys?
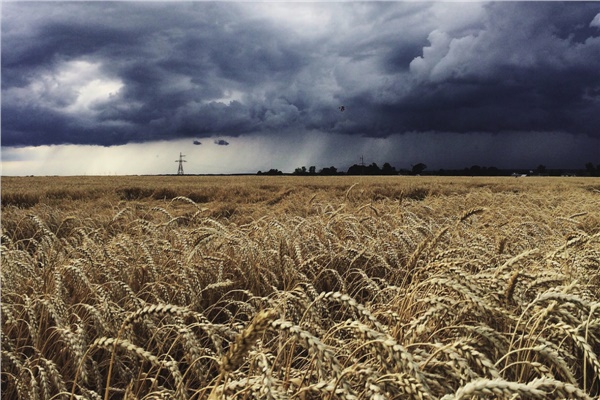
{"x": 115, "y": 73}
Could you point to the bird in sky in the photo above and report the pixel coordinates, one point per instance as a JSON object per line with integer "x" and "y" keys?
{"x": 342, "y": 108}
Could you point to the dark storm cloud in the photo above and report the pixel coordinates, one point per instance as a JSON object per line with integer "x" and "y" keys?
{"x": 115, "y": 72}
{"x": 524, "y": 71}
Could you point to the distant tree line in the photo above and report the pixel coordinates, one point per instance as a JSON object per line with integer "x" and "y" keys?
{"x": 372, "y": 169}
{"x": 419, "y": 168}
{"x": 270, "y": 172}
{"x": 357, "y": 169}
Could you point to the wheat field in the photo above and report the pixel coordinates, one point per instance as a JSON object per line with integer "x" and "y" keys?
{"x": 300, "y": 288}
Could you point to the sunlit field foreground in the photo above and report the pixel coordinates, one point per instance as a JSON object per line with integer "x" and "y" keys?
{"x": 300, "y": 288}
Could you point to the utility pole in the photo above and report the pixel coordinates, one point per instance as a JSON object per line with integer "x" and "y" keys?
{"x": 362, "y": 165}
{"x": 180, "y": 161}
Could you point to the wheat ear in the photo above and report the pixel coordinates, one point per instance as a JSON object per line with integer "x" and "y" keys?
{"x": 245, "y": 340}
{"x": 537, "y": 389}
{"x": 110, "y": 343}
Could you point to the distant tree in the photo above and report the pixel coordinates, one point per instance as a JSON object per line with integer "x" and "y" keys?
{"x": 355, "y": 170}
{"x": 312, "y": 170}
{"x": 592, "y": 170}
{"x": 475, "y": 170}
{"x": 388, "y": 169}
{"x": 541, "y": 169}
{"x": 590, "y": 167}
{"x": 418, "y": 168}
{"x": 372, "y": 169}
{"x": 329, "y": 171}
{"x": 300, "y": 171}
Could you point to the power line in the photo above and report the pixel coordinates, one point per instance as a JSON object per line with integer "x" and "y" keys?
{"x": 180, "y": 161}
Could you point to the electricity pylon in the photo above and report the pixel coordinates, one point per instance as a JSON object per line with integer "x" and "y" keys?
{"x": 180, "y": 161}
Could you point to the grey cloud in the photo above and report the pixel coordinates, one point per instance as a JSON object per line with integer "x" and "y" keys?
{"x": 8, "y": 156}
{"x": 205, "y": 69}
{"x": 514, "y": 74}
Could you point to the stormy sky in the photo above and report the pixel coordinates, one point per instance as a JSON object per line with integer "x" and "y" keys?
{"x": 124, "y": 87}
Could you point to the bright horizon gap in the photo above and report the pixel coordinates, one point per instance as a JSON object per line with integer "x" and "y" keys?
{"x": 250, "y": 154}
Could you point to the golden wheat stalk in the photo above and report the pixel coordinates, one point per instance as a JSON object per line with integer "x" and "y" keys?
{"x": 540, "y": 388}
{"x": 111, "y": 343}
{"x": 246, "y": 339}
